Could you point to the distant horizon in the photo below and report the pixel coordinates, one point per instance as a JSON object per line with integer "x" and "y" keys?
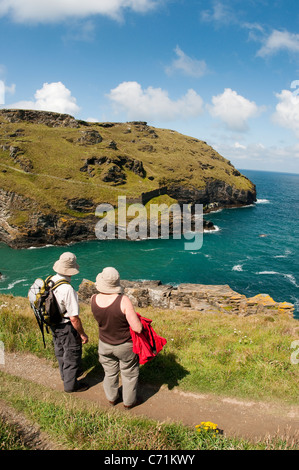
{"x": 268, "y": 171}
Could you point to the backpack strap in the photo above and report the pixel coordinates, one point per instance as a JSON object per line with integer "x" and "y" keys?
{"x": 56, "y": 284}
{"x": 47, "y": 280}
{"x": 59, "y": 283}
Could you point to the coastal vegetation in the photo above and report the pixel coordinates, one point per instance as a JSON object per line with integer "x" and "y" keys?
{"x": 55, "y": 171}
{"x": 216, "y": 353}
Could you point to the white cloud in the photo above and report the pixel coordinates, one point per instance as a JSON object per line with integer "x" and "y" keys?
{"x": 92, "y": 119}
{"x": 55, "y": 10}
{"x": 154, "y": 103}
{"x": 187, "y": 65}
{"x": 10, "y": 89}
{"x": 78, "y": 31}
{"x": 220, "y": 14}
{"x": 2, "y": 92}
{"x": 279, "y": 41}
{"x": 237, "y": 145}
{"x": 51, "y": 97}
{"x": 256, "y": 155}
{"x": 287, "y": 111}
{"x": 233, "y": 109}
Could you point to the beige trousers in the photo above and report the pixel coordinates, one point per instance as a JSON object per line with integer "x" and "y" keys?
{"x": 121, "y": 359}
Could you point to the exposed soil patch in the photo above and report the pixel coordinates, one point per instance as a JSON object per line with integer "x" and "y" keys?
{"x": 30, "y": 434}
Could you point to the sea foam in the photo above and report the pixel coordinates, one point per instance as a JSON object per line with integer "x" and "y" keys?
{"x": 262, "y": 201}
{"x": 12, "y": 284}
{"x": 237, "y": 267}
{"x": 290, "y": 277}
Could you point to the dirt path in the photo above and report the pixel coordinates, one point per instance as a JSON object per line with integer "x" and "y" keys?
{"x": 241, "y": 418}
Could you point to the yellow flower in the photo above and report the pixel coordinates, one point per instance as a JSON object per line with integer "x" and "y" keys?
{"x": 207, "y": 426}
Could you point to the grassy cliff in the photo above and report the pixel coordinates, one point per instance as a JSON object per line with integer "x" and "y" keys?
{"x": 55, "y": 170}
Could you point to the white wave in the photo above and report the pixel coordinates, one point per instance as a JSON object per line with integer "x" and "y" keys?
{"x": 215, "y": 211}
{"x": 151, "y": 249}
{"x": 12, "y": 284}
{"x": 262, "y": 201}
{"x": 237, "y": 267}
{"x": 295, "y": 301}
{"x": 217, "y": 229}
{"x": 290, "y": 277}
{"x": 38, "y": 247}
{"x": 240, "y": 207}
{"x": 286, "y": 254}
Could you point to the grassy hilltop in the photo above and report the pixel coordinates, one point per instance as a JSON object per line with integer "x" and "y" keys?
{"x": 55, "y": 170}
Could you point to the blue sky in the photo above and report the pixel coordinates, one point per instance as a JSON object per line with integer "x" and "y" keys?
{"x": 224, "y": 71}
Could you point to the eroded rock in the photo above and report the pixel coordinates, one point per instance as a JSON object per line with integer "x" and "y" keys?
{"x": 197, "y": 297}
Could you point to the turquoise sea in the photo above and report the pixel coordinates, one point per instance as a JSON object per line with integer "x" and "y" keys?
{"x": 236, "y": 254}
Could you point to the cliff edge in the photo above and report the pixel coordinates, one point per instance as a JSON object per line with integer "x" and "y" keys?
{"x": 197, "y": 297}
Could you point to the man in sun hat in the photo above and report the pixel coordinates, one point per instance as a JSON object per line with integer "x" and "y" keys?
{"x": 69, "y": 334}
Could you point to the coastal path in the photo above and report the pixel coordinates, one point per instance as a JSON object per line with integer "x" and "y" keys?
{"x": 252, "y": 420}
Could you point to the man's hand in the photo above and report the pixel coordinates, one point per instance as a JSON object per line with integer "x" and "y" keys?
{"x": 84, "y": 338}
{"x": 77, "y": 324}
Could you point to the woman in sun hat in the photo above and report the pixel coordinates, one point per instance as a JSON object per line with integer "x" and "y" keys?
{"x": 68, "y": 335}
{"x": 115, "y": 315}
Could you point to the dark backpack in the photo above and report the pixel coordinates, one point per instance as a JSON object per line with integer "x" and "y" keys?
{"x": 44, "y": 303}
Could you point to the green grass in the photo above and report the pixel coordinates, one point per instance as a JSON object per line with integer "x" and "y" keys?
{"x": 218, "y": 353}
{"x": 76, "y": 425}
{"x": 9, "y": 437}
{"x": 221, "y": 354}
{"x": 57, "y": 156}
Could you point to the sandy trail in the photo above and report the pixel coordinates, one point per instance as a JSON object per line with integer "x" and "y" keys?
{"x": 241, "y": 418}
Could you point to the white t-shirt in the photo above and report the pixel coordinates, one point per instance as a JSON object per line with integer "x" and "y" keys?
{"x": 66, "y": 297}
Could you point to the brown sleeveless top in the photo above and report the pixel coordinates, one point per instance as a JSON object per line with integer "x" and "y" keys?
{"x": 113, "y": 325}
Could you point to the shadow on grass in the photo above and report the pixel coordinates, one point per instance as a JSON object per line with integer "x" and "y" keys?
{"x": 162, "y": 370}
{"x": 90, "y": 363}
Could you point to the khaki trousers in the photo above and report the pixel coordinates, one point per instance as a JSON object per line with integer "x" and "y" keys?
{"x": 121, "y": 359}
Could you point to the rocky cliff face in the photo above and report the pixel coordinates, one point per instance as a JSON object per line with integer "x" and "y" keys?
{"x": 55, "y": 170}
{"x": 198, "y": 297}
{"x": 48, "y": 118}
{"x": 22, "y": 224}
{"x": 215, "y": 191}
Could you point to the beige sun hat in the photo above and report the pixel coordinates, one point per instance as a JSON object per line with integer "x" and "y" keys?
{"x": 66, "y": 265}
{"x": 108, "y": 281}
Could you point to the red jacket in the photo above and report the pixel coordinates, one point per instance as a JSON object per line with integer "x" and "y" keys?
{"x": 146, "y": 344}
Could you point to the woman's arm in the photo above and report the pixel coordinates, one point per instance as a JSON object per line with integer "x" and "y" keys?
{"x": 132, "y": 318}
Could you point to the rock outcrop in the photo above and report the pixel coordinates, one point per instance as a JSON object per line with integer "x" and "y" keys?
{"x": 48, "y": 118}
{"x": 215, "y": 190}
{"x": 22, "y": 224}
{"x": 197, "y": 297}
